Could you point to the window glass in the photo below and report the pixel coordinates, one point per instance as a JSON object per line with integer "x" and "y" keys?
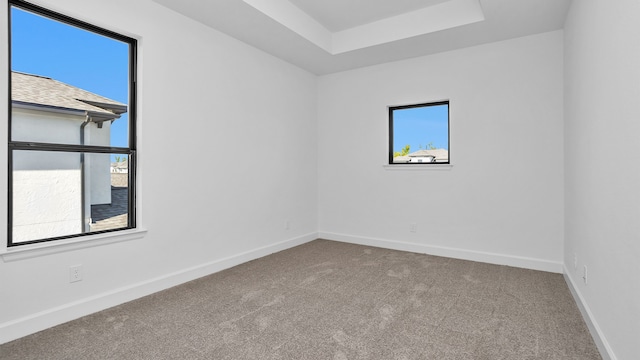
{"x": 72, "y": 127}
{"x": 419, "y": 134}
{"x": 50, "y": 188}
{"x": 69, "y": 72}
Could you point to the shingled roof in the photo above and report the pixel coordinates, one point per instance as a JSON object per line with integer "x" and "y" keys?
{"x": 42, "y": 91}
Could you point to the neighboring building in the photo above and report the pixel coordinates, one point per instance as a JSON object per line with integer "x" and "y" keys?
{"x": 424, "y": 156}
{"x": 49, "y": 187}
{"x": 120, "y": 167}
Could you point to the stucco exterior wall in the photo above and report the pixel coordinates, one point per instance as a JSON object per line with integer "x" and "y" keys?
{"x": 45, "y": 126}
{"x": 36, "y": 193}
{"x": 47, "y": 198}
{"x": 98, "y": 165}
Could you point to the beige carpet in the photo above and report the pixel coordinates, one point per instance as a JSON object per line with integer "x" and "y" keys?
{"x": 329, "y": 300}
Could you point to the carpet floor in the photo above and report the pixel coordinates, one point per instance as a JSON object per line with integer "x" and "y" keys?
{"x": 330, "y": 300}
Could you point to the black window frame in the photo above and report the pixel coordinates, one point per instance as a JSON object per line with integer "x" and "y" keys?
{"x": 130, "y": 151}
{"x": 428, "y": 104}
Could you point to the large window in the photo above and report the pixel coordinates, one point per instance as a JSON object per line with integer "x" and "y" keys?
{"x": 72, "y": 144}
{"x": 419, "y": 134}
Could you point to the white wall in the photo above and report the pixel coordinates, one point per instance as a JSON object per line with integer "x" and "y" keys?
{"x": 64, "y": 128}
{"x": 602, "y": 116}
{"x": 45, "y": 126}
{"x": 207, "y": 103}
{"x": 46, "y": 203}
{"x": 502, "y": 201}
{"x": 47, "y": 199}
{"x": 98, "y": 165}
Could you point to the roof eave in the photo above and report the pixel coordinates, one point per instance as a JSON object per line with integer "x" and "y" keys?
{"x": 49, "y": 108}
{"x": 101, "y": 116}
{"x": 96, "y": 116}
{"x": 115, "y": 108}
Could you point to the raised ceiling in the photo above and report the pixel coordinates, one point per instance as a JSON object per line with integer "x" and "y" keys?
{"x": 326, "y": 36}
{"x": 337, "y": 15}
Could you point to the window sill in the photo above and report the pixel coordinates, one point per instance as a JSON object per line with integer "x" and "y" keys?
{"x": 48, "y": 248}
{"x": 419, "y": 167}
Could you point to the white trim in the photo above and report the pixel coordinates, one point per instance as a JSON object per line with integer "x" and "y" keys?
{"x": 418, "y": 166}
{"x": 27, "y": 325}
{"x": 596, "y": 332}
{"x": 456, "y": 253}
{"x": 21, "y": 252}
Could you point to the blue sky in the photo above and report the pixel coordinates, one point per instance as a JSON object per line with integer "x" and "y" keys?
{"x": 420, "y": 126}
{"x": 74, "y": 56}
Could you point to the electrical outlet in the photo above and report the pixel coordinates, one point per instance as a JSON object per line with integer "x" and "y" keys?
{"x": 584, "y": 275}
{"x": 575, "y": 261}
{"x": 413, "y": 227}
{"x": 75, "y": 273}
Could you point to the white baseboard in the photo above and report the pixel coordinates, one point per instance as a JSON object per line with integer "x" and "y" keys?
{"x": 486, "y": 257}
{"x": 598, "y": 337}
{"x": 18, "y": 328}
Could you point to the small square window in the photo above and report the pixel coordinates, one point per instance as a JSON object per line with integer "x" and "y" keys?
{"x": 419, "y": 134}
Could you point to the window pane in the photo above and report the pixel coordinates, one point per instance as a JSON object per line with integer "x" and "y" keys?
{"x": 420, "y": 134}
{"x": 66, "y": 193}
{"x": 63, "y": 76}
{"x": 72, "y": 100}
{"x": 113, "y": 214}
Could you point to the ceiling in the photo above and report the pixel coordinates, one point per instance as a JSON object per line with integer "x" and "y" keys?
{"x": 338, "y": 15}
{"x": 327, "y": 36}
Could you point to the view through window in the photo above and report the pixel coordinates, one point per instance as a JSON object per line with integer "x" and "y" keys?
{"x": 419, "y": 134}
{"x": 72, "y": 127}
